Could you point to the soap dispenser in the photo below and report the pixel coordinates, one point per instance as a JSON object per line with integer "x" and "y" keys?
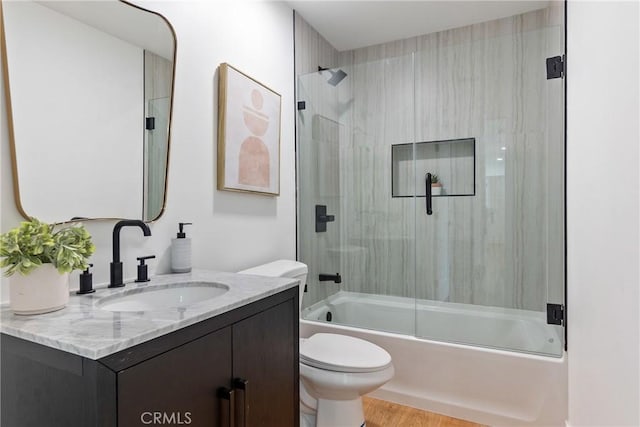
{"x": 181, "y": 251}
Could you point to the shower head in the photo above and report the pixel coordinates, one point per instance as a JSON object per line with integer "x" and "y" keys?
{"x": 336, "y": 76}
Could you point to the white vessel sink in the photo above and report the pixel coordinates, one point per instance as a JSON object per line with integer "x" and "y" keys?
{"x": 156, "y": 298}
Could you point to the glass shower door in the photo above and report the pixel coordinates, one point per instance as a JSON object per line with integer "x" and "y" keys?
{"x": 345, "y": 134}
{"x": 318, "y": 174}
{"x": 490, "y": 256}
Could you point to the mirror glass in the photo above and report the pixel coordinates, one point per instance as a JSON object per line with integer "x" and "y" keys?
{"x": 90, "y": 94}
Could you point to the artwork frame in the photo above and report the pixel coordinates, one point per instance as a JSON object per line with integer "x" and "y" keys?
{"x": 249, "y": 116}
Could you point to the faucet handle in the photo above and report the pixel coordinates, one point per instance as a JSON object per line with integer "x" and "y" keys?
{"x": 86, "y": 282}
{"x": 143, "y": 271}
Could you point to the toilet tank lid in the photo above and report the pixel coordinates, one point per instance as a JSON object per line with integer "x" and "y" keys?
{"x": 279, "y": 268}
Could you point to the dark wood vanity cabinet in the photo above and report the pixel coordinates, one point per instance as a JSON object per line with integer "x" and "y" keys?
{"x": 179, "y": 385}
{"x": 236, "y": 369}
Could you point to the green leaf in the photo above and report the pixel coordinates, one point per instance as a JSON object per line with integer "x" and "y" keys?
{"x": 34, "y": 243}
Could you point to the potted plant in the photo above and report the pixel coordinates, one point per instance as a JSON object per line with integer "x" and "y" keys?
{"x": 42, "y": 258}
{"x": 436, "y": 185}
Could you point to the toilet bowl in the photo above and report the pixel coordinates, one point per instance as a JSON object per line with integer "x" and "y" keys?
{"x": 335, "y": 370}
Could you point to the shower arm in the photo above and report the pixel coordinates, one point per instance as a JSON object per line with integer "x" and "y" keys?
{"x": 428, "y": 193}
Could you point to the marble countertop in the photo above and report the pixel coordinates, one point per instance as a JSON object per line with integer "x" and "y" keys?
{"x": 84, "y": 329}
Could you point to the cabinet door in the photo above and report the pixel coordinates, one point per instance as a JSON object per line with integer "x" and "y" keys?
{"x": 178, "y": 387}
{"x": 264, "y": 354}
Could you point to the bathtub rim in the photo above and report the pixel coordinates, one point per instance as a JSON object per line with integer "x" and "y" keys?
{"x": 490, "y": 350}
{"x": 394, "y": 300}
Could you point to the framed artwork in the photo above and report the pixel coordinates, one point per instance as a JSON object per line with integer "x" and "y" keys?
{"x": 248, "y": 134}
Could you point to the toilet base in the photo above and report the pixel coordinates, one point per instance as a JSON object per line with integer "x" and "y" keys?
{"x": 340, "y": 413}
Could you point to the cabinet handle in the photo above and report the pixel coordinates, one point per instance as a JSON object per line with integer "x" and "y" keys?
{"x": 428, "y": 193}
{"x": 228, "y": 395}
{"x": 243, "y": 385}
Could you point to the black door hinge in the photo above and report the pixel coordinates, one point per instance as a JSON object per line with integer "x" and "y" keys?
{"x": 555, "y": 67}
{"x": 555, "y": 314}
{"x": 150, "y": 123}
{"x": 302, "y": 105}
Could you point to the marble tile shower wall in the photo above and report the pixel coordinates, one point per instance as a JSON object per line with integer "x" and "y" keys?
{"x": 501, "y": 247}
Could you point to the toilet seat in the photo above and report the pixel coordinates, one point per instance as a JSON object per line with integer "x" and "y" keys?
{"x": 342, "y": 353}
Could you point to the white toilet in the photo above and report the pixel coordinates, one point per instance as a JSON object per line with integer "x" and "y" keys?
{"x": 335, "y": 370}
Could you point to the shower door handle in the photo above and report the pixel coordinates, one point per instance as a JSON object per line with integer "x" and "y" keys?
{"x": 428, "y": 193}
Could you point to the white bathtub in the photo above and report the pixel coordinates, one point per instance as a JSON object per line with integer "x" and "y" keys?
{"x": 482, "y": 384}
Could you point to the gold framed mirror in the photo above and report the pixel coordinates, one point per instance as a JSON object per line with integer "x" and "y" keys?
{"x": 89, "y": 91}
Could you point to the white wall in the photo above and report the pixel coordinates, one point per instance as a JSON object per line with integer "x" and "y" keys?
{"x": 74, "y": 89}
{"x": 231, "y": 231}
{"x": 602, "y": 213}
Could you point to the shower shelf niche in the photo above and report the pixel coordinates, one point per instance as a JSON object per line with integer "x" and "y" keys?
{"x": 453, "y": 160}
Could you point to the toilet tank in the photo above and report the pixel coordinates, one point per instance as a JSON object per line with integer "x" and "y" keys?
{"x": 282, "y": 268}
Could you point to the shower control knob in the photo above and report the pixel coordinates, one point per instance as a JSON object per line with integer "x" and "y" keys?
{"x": 143, "y": 272}
{"x": 322, "y": 218}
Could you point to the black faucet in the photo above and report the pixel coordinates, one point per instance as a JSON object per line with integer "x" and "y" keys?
{"x": 116, "y": 265}
{"x": 327, "y": 277}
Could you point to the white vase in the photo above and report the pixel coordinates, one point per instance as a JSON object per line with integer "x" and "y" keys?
{"x": 436, "y": 190}
{"x": 41, "y": 291}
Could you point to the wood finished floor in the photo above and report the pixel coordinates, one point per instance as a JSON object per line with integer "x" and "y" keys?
{"x": 380, "y": 413}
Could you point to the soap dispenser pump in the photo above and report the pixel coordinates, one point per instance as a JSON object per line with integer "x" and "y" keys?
{"x": 181, "y": 251}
